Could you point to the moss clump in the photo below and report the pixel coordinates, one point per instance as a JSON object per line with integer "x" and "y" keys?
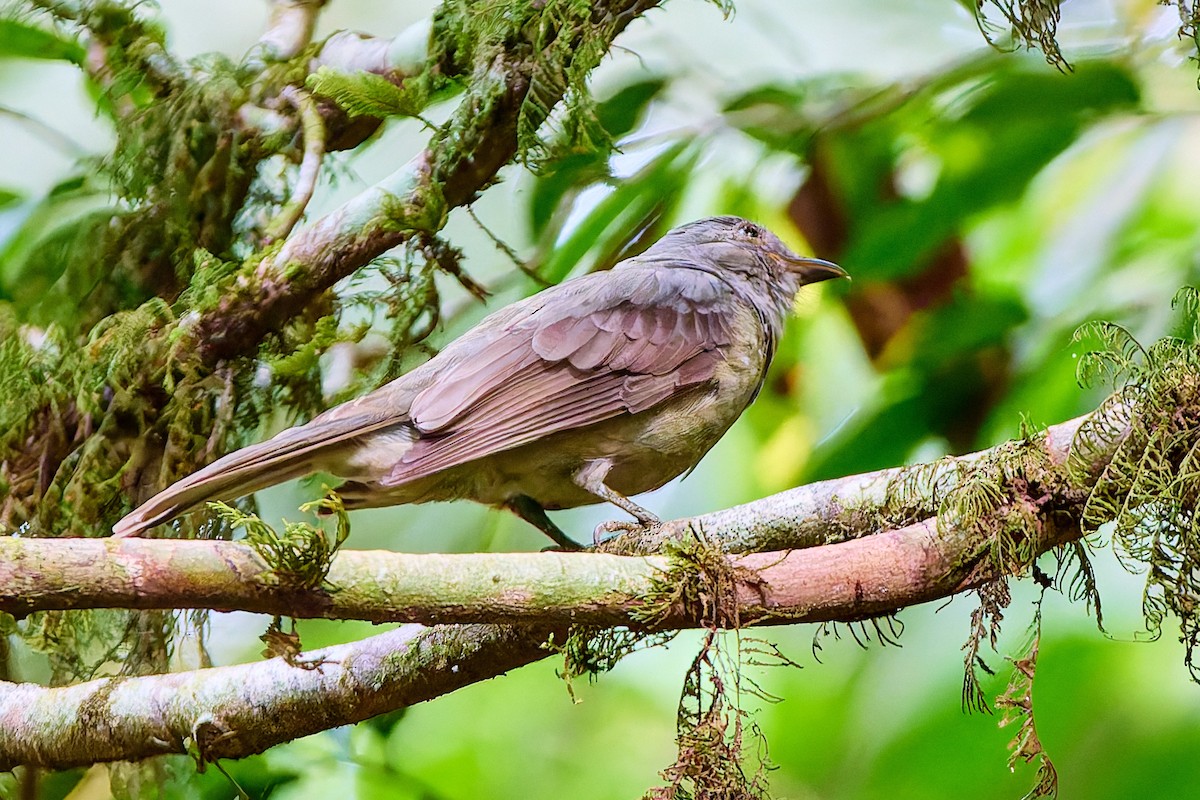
{"x": 700, "y": 582}
{"x": 713, "y": 731}
{"x": 1150, "y": 486}
{"x": 1017, "y": 704}
{"x": 300, "y": 555}
{"x": 713, "y": 728}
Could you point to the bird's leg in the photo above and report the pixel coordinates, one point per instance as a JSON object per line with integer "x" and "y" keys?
{"x": 591, "y": 477}
{"x": 532, "y": 512}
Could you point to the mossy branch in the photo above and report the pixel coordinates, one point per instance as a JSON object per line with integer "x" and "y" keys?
{"x": 484, "y": 134}
{"x": 131, "y": 718}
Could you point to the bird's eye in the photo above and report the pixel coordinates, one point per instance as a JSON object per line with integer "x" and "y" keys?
{"x": 750, "y": 230}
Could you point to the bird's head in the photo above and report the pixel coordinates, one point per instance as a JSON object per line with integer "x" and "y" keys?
{"x": 737, "y": 245}
{"x": 747, "y": 256}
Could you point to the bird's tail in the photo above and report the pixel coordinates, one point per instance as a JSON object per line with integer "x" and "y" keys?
{"x": 239, "y": 473}
{"x": 292, "y": 454}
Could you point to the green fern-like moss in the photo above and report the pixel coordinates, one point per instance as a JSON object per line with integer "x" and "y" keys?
{"x": 1148, "y": 490}
{"x": 363, "y": 94}
{"x": 300, "y": 555}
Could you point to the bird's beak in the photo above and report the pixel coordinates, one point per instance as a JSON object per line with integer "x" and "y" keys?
{"x": 810, "y": 270}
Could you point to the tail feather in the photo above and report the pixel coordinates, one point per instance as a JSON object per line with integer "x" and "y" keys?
{"x": 292, "y": 454}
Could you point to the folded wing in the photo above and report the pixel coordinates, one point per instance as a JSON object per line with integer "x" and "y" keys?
{"x": 610, "y": 344}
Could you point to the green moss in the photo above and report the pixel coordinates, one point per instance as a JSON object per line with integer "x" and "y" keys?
{"x": 425, "y": 211}
{"x": 364, "y": 94}
{"x": 1149, "y": 489}
{"x": 300, "y": 555}
{"x": 712, "y": 727}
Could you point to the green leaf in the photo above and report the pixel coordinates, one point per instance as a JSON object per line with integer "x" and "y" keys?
{"x": 966, "y": 324}
{"x": 563, "y": 181}
{"x": 774, "y": 115}
{"x": 623, "y": 212}
{"x": 621, "y": 112}
{"x": 8, "y": 198}
{"x": 563, "y": 178}
{"x": 48, "y": 242}
{"x": 1015, "y": 127}
{"x": 942, "y": 388}
{"x": 21, "y": 40}
{"x": 364, "y": 94}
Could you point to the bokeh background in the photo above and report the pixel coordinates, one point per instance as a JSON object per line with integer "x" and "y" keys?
{"x": 986, "y": 204}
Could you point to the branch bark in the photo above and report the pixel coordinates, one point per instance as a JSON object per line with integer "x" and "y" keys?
{"x": 211, "y": 710}
{"x": 228, "y": 712}
{"x": 289, "y": 28}
{"x": 313, "y": 129}
{"x": 848, "y": 580}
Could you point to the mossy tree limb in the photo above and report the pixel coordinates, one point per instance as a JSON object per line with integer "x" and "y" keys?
{"x": 60, "y": 727}
{"x": 229, "y": 712}
{"x": 848, "y": 580}
{"x": 205, "y": 710}
{"x": 40, "y": 575}
{"x": 463, "y": 157}
{"x": 843, "y": 508}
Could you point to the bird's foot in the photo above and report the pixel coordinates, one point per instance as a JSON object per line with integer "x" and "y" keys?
{"x": 607, "y": 531}
{"x": 529, "y": 510}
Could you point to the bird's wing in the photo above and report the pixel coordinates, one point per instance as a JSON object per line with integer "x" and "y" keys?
{"x": 610, "y": 344}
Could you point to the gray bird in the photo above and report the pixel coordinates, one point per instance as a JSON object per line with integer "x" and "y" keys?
{"x": 599, "y": 388}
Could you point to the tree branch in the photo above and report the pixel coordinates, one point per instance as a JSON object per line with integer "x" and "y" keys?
{"x": 394, "y": 58}
{"x": 460, "y": 161}
{"x": 228, "y": 712}
{"x": 130, "y": 718}
{"x": 827, "y": 511}
{"x": 885, "y": 570}
{"x": 289, "y": 28}
{"x": 313, "y": 129}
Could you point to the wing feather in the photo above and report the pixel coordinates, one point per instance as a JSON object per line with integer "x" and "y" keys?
{"x": 622, "y": 344}
{"x": 465, "y": 383}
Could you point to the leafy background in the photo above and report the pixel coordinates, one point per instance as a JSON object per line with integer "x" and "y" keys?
{"x": 986, "y": 205}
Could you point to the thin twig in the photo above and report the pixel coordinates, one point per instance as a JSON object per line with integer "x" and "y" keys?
{"x": 313, "y": 130}
{"x": 504, "y": 247}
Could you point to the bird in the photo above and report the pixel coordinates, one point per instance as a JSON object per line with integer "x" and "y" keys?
{"x": 602, "y": 387}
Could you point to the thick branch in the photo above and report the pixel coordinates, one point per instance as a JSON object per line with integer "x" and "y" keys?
{"x": 129, "y": 718}
{"x": 818, "y": 513}
{"x": 461, "y": 160}
{"x": 137, "y": 717}
{"x": 598, "y": 589}
{"x": 380, "y": 586}
{"x": 229, "y": 712}
{"x": 849, "y": 580}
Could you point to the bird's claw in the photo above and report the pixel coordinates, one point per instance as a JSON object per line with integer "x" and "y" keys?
{"x": 606, "y": 531}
